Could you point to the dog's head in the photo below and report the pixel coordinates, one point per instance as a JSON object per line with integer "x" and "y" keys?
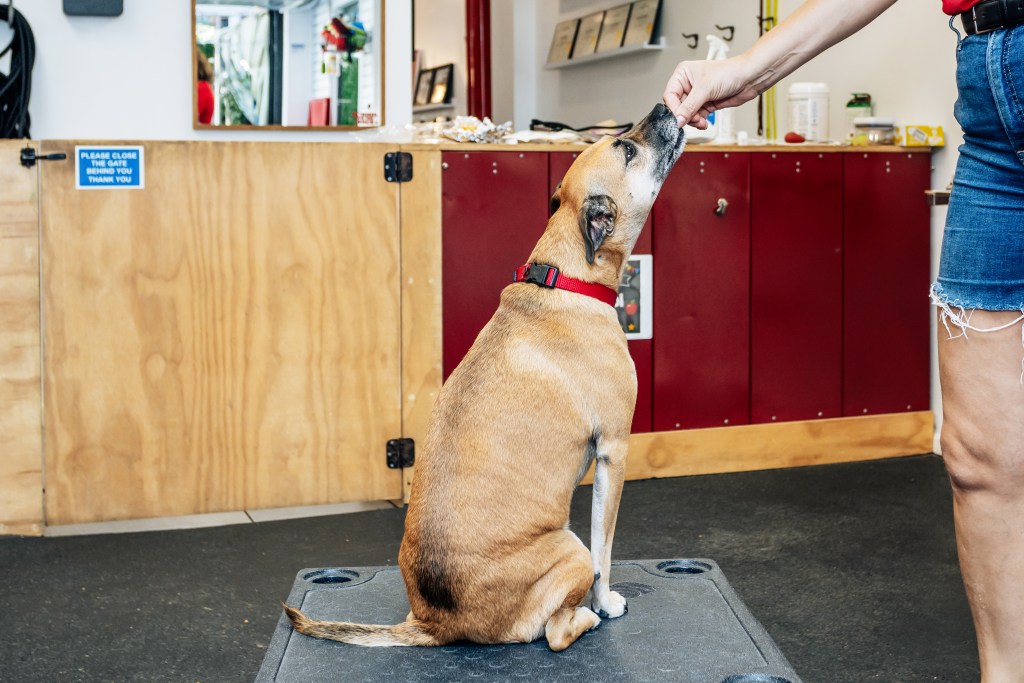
{"x": 610, "y": 188}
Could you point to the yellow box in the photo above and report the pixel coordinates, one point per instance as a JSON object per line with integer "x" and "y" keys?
{"x": 923, "y": 136}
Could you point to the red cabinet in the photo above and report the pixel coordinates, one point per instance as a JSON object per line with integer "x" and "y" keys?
{"x": 771, "y": 309}
{"x": 886, "y": 314}
{"x": 493, "y": 209}
{"x": 796, "y": 286}
{"x": 702, "y": 293}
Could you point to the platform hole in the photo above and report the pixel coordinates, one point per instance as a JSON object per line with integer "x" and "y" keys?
{"x": 684, "y": 567}
{"x": 756, "y": 678}
{"x": 331, "y": 576}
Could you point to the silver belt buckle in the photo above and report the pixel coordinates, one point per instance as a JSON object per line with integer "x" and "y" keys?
{"x": 974, "y": 18}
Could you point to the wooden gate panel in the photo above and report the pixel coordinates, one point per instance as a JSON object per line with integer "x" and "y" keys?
{"x": 226, "y": 338}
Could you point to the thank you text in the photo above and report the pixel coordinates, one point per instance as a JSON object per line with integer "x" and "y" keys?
{"x": 110, "y": 168}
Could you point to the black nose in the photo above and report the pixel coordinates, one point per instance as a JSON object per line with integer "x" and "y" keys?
{"x": 660, "y": 111}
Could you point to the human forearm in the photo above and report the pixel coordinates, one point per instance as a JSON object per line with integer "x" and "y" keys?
{"x": 813, "y": 28}
{"x": 697, "y": 88}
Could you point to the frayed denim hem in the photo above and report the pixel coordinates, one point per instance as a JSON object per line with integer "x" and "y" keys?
{"x": 959, "y": 313}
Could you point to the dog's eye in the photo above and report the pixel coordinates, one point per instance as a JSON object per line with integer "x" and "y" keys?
{"x": 630, "y": 151}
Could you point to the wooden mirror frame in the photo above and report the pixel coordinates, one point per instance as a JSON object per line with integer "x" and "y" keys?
{"x": 273, "y": 127}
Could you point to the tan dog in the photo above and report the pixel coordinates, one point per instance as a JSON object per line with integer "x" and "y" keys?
{"x": 547, "y": 389}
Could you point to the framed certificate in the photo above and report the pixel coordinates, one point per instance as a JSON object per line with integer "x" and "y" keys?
{"x": 424, "y": 87}
{"x": 562, "y": 41}
{"x": 642, "y": 19}
{"x": 586, "y": 38}
{"x": 613, "y": 29}
{"x": 440, "y": 92}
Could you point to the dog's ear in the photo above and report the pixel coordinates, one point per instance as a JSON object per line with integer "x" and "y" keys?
{"x": 556, "y": 199}
{"x": 597, "y": 218}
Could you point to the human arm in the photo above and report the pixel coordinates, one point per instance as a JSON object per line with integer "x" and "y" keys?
{"x": 697, "y": 88}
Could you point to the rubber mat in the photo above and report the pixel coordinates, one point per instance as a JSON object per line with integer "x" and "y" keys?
{"x": 684, "y": 624}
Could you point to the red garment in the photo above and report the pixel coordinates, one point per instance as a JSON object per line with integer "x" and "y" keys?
{"x": 957, "y": 6}
{"x": 204, "y": 100}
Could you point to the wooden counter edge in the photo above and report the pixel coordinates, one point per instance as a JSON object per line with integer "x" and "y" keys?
{"x": 690, "y": 148}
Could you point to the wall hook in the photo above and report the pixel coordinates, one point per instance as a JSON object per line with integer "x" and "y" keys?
{"x": 730, "y": 29}
{"x": 766, "y": 23}
{"x": 693, "y": 37}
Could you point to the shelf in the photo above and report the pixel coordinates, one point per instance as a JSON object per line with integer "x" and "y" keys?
{"x": 422, "y": 108}
{"x": 597, "y": 57}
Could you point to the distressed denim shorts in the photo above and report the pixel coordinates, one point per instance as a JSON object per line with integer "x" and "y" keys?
{"x": 982, "y": 262}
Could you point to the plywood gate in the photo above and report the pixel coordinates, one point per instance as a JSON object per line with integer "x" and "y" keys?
{"x": 21, "y": 453}
{"x": 226, "y": 338}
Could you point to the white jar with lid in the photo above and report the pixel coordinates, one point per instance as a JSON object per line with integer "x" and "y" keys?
{"x": 808, "y": 110}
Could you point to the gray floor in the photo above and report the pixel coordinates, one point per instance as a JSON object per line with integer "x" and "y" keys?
{"x": 851, "y": 569}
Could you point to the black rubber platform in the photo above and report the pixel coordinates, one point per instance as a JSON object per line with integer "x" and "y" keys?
{"x": 684, "y": 624}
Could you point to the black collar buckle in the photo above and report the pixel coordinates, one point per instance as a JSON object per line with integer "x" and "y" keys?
{"x": 541, "y": 274}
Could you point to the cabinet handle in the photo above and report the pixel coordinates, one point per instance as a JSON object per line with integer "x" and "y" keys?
{"x": 722, "y": 206}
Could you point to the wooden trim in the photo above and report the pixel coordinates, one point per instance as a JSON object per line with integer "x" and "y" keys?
{"x": 21, "y": 440}
{"x": 743, "y": 448}
{"x": 421, "y": 297}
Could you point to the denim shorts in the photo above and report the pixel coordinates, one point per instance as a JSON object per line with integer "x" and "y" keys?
{"x": 982, "y": 262}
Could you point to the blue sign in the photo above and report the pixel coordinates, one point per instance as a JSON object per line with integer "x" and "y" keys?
{"x": 110, "y": 168}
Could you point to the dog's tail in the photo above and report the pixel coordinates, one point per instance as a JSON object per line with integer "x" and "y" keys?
{"x": 412, "y": 632}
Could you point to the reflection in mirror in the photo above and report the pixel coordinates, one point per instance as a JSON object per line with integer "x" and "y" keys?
{"x": 290, "y": 63}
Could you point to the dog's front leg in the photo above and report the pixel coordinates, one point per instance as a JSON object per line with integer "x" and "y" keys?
{"x": 609, "y": 472}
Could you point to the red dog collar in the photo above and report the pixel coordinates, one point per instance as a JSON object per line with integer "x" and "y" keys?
{"x": 550, "y": 277}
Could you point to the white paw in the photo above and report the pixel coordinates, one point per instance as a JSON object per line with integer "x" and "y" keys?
{"x": 613, "y": 605}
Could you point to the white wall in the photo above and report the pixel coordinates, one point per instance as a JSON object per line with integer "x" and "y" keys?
{"x": 130, "y": 77}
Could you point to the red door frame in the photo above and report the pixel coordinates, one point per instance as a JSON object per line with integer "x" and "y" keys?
{"x": 478, "y": 58}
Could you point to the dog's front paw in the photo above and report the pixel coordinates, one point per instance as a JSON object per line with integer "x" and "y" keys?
{"x": 614, "y": 605}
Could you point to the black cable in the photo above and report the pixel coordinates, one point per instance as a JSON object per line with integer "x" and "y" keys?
{"x": 16, "y": 86}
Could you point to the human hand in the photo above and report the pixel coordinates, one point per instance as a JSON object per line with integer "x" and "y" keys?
{"x": 698, "y": 88}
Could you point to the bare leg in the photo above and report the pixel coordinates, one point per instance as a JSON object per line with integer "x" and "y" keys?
{"x": 983, "y": 448}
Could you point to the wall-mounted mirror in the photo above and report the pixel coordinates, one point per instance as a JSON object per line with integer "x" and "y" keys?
{"x": 288, "y": 63}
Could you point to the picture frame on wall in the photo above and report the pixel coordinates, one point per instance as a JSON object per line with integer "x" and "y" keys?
{"x": 424, "y": 87}
{"x": 440, "y": 90}
{"x": 613, "y": 29}
{"x": 586, "y": 37}
{"x": 643, "y": 17}
{"x": 562, "y": 41}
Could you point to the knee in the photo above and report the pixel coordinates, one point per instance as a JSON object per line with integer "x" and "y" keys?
{"x": 978, "y": 460}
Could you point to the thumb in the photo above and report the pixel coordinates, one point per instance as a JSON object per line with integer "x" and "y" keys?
{"x": 690, "y": 104}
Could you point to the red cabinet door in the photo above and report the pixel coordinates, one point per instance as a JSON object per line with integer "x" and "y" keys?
{"x": 796, "y": 286}
{"x": 886, "y": 243}
{"x": 701, "y": 293}
{"x": 494, "y": 207}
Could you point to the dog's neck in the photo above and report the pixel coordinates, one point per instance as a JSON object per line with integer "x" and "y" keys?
{"x": 561, "y": 246}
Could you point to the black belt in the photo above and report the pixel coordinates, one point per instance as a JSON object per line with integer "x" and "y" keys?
{"x": 989, "y": 15}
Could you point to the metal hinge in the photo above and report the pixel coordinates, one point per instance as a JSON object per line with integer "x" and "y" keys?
{"x": 401, "y": 453}
{"x": 29, "y": 157}
{"x": 398, "y": 167}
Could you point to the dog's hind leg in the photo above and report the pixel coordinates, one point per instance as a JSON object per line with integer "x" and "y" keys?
{"x": 567, "y": 624}
{"x": 570, "y": 620}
